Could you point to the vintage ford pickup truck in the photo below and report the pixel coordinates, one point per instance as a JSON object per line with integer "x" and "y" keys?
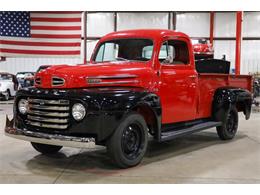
{"x": 138, "y": 83}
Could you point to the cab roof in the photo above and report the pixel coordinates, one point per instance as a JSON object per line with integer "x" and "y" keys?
{"x": 144, "y": 33}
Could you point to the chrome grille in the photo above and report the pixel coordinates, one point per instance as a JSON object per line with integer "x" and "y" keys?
{"x": 52, "y": 114}
{"x": 56, "y": 81}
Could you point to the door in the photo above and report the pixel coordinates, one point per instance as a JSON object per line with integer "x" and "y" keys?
{"x": 179, "y": 80}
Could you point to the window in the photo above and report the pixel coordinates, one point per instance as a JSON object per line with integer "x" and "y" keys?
{"x": 174, "y": 52}
{"x": 5, "y": 77}
{"x": 125, "y": 50}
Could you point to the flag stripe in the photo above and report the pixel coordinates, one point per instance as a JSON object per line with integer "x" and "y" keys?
{"x": 54, "y": 32}
{"x": 43, "y": 15}
{"x": 40, "y": 52}
{"x": 58, "y": 28}
{"x": 42, "y": 44}
{"x": 57, "y": 12}
{"x": 51, "y": 48}
{"x": 36, "y": 19}
{"x": 55, "y": 36}
{"x": 39, "y": 39}
{"x": 55, "y": 24}
{"x": 37, "y": 55}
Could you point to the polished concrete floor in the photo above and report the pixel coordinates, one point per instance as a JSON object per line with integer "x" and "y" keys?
{"x": 198, "y": 158}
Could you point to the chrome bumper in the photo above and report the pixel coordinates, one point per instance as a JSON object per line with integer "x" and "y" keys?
{"x": 44, "y": 138}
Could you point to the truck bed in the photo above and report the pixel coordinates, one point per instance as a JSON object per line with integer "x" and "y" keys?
{"x": 209, "y": 82}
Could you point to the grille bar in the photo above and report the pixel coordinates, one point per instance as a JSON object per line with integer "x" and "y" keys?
{"x": 56, "y": 108}
{"x": 42, "y": 101}
{"x": 46, "y": 125}
{"x": 41, "y": 113}
{"x": 49, "y": 120}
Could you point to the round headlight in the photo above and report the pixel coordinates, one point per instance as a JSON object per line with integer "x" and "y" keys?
{"x": 23, "y": 106}
{"x": 78, "y": 111}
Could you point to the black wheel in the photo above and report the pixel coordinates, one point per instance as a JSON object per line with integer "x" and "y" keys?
{"x": 7, "y": 96}
{"x": 128, "y": 144}
{"x": 229, "y": 124}
{"x": 46, "y": 149}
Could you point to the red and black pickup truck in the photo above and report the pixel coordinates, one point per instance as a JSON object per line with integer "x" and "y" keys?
{"x": 138, "y": 82}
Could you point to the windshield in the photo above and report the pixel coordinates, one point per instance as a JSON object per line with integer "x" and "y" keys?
{"x": 125, "y": 50}
{"x": 5, "y": 77}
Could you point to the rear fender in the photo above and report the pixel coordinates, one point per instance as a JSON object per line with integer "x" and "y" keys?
{"x": 224, "y": 98}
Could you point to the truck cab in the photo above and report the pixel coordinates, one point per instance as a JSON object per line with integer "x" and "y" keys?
{"x": 138, "y": 82}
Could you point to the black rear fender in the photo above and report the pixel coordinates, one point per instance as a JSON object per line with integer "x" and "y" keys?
{"x": 224, "y": 98}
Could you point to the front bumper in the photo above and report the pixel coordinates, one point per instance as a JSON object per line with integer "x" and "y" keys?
{"x": 44, "y": 138}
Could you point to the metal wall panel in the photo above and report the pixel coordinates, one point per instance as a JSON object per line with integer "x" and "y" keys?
{"x": 251, "y": 24}
{"x": 194, "y": 24}
{"x": 250, "y": 54}
{"x": 99, "y": 24}
{"x": 225, "y": 24}
{"x": 14, "y": 65}
{"x": 250, "y": 57}
{"x": 127, "y": 21}
{"x": 225, "y": 48}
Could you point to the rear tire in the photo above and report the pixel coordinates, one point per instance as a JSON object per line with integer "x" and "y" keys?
{"x": 128, "y": 144}
{"x": 229, "y": 126}
{"x": 45, "y": 148}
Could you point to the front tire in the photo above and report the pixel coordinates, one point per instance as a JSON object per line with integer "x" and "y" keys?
{"x": 7, "y": 96}
{"x": 229, "y": 126}
{"x": 128, "y": 144}
{"x": 45, "y": 148}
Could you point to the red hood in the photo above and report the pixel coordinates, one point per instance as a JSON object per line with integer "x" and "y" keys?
{"x": 104, "y": 74}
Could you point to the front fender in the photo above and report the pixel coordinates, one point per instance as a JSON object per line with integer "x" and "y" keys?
{"x": 117, "y": 105}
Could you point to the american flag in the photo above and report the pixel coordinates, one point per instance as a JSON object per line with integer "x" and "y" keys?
{"x": 40, "y": 34}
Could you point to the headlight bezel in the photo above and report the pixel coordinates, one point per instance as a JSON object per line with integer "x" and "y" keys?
{"x": 25, "y": 106}
{"x": 79, "y": 114}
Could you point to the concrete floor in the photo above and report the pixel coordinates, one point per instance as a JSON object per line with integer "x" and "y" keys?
{"x": 198, "y": 158}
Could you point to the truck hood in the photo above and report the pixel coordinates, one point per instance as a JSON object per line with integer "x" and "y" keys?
{"x": 135, "y": 74}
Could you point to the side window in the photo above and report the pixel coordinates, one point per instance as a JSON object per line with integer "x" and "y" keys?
{"x": 174, "y": 52}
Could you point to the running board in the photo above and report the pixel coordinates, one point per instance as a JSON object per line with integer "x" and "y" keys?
{"x": 165, "y": 136}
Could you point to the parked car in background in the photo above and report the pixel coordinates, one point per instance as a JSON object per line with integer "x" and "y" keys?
{"x": 202, "y": 49}
{"x": 25, "y": 79}
{"x": 8, "y": 85}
